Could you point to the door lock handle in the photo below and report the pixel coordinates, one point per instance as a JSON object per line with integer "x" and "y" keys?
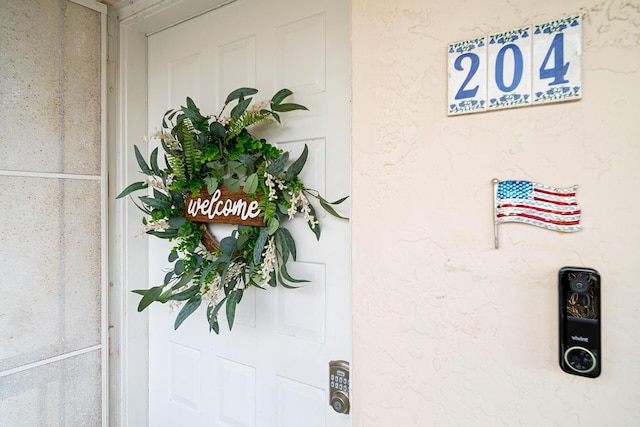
{"x": 339, "y": 385}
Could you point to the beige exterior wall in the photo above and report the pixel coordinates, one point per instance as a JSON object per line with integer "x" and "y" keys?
{"x": 449, "y": 331}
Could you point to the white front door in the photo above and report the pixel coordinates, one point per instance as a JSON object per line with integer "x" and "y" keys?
{"x": 272, "y": 369}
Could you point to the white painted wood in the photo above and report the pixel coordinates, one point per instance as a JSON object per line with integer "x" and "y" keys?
{"x": 129, "y": 253}
{"x": 272, "y": 369}
{"x": 92, "y": 4}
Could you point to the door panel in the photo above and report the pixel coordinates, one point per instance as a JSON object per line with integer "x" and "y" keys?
{"x": 272, "y": 369}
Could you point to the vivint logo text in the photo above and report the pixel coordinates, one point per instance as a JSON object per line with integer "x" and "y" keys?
{"x": 581, "y": 339}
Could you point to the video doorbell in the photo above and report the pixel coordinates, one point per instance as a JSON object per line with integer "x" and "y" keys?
{"x": 580, "y": 319}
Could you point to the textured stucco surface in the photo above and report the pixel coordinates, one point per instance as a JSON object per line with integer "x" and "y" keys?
{"x": 449, "y": 331}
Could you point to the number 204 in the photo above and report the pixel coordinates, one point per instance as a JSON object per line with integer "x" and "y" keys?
{"x": 508, "y": 72}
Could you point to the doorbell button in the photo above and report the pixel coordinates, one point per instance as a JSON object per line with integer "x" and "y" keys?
{"x": 580, "y": 359}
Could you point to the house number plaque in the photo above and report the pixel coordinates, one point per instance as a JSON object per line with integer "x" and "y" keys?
{"x": 530, "y": 65}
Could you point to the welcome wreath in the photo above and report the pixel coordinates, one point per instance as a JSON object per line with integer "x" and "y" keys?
{"x": 216, "y": 171}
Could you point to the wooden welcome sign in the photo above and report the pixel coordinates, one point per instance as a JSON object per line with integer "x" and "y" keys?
{"x": 225, "y": 207}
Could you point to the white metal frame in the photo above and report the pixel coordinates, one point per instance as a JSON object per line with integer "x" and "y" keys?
{"x": 103, "y": 347}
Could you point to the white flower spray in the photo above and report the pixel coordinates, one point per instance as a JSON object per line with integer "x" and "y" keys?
{"x": 156, "y": 182}
{"x": 298, "y": 199}
{"x": 269, "y": 262}
{"x": 274, "y": 184}
{"x": 159, "y": 225}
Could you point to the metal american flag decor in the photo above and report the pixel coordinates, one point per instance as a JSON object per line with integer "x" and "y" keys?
{"x": 535, "y": 204}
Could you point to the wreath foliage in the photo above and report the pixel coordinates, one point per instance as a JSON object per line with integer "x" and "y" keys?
{"x": 208, "y": 152}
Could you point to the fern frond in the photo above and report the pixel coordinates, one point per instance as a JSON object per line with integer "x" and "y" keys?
{"x": 247, "y": 118}
{"x": 178, "y": 167}
{"x": 190, "y": 154}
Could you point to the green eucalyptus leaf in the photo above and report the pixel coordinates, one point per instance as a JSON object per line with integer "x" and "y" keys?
{"x": 272, "y": 279}
{"x": 286, "y": 241}
{"x": 283, "y": 108}
{"x": 206, "y": 270}
{"x": 277, "y": 167}
{"x": 247, "y": 159}
{"x": 296, "y": 167}
{"x": 186, "y": 294}
{"x": 211, "y": 183}
{"x": 192, "y": 112}
{"x": 259, "y": 246}
{"x": 240, "y": 107}
{"x": 218, "y": 130}
{"x": 141, "y": 162}
{"x": 168, "y": 277}
{"x": 155, "y": 203}
{"x": 140, "y": 291}
{"x": 327, "y": 207}
{"x": 337, "y": 202}
{"x": 232, "y": 301}
{"x": 251, "y": 184}
{"x": 273, "y": 225}
{"x": 159, "y": 195}
{"x": 173, "y": 255}
{"x": 228, "y": 245}
{"x": 316, "y": 227}
{"x": 187, "y": 310}
{"x": 179, "y": 267}
{"x": 154, "y": 162}
{"x": 287, "y": 276}
{"x": 184, "y": 280}
{"x": 280, "y": 96}
{"x": 237, "y": 168}
{"x": 213, "y": 320}
{"x": 190, "y": 104}
{"x": 177, "y": 221}
{"x": 214, "y": 316}
{"x": 240, "y": 93}
{"x": 232, "y": 184}
{"x": 131, "y": 188}
{"x": 168, "y": 234}
{"x": 285, "y": 284}
{"x": 150, "y": 296}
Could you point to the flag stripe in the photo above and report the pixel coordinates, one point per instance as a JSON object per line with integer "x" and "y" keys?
{"x": 559, "y": 202}
{"x": 562, "y": 228}
{"x": 572, "y": 211}
{"x": 537, "y": 218}
{"x": 555, "y": 191}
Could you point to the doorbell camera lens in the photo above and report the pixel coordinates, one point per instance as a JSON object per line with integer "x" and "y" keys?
{"x": 580, "y": 359}
{"x": 580, "y": 284}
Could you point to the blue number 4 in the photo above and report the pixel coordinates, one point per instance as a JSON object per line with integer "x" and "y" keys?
{"x": 559, "y": 69}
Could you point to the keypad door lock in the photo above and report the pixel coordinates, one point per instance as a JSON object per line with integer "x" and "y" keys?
{"x": 339, "y": 384}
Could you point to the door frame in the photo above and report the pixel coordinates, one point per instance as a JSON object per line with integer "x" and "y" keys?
{"x": 129, "y": 28}
{"x": 129, "y": 339}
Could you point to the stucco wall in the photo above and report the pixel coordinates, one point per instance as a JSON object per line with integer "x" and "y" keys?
{"x": 449, "y": 331}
